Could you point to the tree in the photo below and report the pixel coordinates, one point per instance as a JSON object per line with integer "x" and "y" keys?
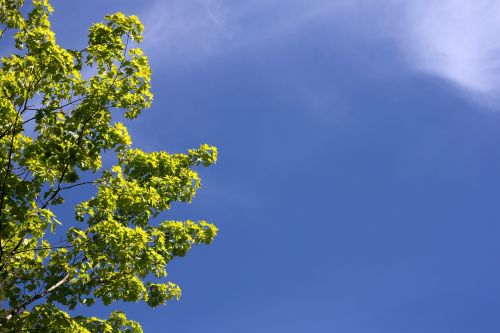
{"x": 58, "y": 118}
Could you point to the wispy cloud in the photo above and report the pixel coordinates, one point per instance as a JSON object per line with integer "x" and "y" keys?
{"x": 455, "y": 39}
{"x": 177, "y": 29}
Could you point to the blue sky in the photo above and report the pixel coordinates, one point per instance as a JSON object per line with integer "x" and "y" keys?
{"x": 358, "y": 183}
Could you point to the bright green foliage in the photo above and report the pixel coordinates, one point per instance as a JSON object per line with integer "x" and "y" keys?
{"x": 58, "y": 116}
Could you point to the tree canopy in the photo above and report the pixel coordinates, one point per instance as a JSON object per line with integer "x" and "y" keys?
{"x": 60, "y": 112}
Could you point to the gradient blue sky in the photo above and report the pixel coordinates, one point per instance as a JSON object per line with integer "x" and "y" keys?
{"x": 358, "y": 185}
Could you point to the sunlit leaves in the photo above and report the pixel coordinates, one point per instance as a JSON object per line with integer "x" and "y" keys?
{"x": 61, "y": 112}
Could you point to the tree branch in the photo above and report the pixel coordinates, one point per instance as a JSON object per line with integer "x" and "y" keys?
{"x": 22, "y": 307}
{"x": 13, "y": 252}
{"x": 20, "y": 111}
{"x": 7, "y": 171}
{"x": 80, "y": 184}
{"x": 80, "y": 136}
{"x": 4, "y": 133}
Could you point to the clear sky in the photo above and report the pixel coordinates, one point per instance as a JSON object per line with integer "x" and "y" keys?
{"x": 358, "y": 184}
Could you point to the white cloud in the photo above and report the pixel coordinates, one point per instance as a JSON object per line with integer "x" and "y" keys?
{"x": 182, "y": 30}
{"x": 458, "y": 40}
{"x": 179, "y": 31}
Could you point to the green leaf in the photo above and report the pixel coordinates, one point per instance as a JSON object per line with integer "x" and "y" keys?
{"x": 113, "y": 250}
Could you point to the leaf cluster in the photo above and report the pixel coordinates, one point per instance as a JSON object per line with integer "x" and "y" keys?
{"x": 58, "y": 117}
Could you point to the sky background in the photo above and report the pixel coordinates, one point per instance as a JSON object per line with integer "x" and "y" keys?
{"x": 357, "y": 188}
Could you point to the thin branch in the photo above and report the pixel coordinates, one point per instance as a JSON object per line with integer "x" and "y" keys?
{"x": 20, "y": 111}
{"x": 80, "y": 136}
{"x": 61, "y": 188}
{"x": 80, "y": 184}
{"x": 7, "y": 171}
{"x": 22, "y": 307}
{"x": 13, "y": 252}
{"x": 41, "y": 248}
{"x": 26, "y": 231}
{"x": 28, "y": 120}
{"x": 8, "y": 130}
{"x": 59, "y": 107}
{"x": 28, "y": 330}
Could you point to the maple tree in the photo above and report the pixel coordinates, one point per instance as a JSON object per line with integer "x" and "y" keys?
{"x": 56, "y": 123}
